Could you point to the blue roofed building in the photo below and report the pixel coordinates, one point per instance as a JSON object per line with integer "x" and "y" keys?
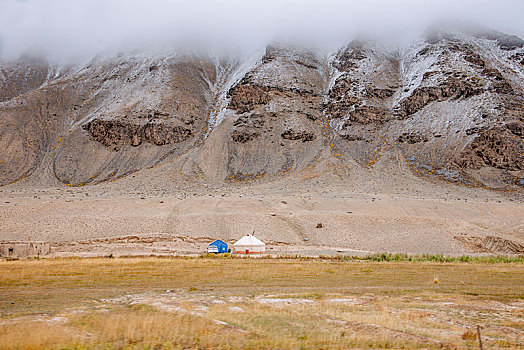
{"x": 217, "y": 246}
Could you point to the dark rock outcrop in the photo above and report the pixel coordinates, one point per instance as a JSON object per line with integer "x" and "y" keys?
{"x": 291, "y": 134}
{"x": 247, "y": 127}
{"x": 412, "y": 138}
{"x": 369, "y": 115}
{"x": 357, "y": 135}
{"x": 474, "y": 59}
{"x": 380, "y": 93}
{"x": 499, "y": 147}
{"x": 516, "y": 127}
{"x": 498, "y": 83}
{"x": 113, "y": 133}
{"x": 244, "y": 135}
{"x": 346, "y": 59}
{"x": 245, "y": 98}
{"x": 452, "y": 88}
{"x": 475, "y": 130}
{"x": 254, "y": 120}
{"x": 519, "y": 58}
{"x": 341, "y": 98}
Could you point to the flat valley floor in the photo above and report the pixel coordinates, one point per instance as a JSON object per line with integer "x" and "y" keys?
{"x": 150, "y": 214}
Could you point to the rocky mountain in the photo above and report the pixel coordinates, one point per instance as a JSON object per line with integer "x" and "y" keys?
{"x": 449, "y": 106}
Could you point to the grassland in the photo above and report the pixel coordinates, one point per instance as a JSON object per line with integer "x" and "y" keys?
{"x": 137, "y": 303}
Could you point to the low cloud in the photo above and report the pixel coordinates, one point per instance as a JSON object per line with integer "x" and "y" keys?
{"x": 66, "y": 29}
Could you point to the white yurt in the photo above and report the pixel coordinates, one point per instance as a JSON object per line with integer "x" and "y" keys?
{"x": 249, "y": 245}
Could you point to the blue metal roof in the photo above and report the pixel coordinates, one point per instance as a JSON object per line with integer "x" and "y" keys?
{"x": 221, "y": 245}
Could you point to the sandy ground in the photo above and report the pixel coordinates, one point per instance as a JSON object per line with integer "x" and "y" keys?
{"x": 182, "y": 218}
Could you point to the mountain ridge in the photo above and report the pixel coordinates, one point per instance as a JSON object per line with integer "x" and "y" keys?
{"x": 448, "y": 107}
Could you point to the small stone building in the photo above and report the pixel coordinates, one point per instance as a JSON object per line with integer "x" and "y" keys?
{"x": 23, "y": 249}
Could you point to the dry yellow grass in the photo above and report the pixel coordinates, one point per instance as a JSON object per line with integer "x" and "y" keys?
{"x": 153, "y": 303}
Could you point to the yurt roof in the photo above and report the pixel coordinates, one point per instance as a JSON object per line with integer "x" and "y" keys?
{"x": 249, "y": 240}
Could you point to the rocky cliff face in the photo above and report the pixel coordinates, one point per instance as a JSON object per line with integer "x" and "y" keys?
{"x": 449, "y": 106}
{"x": 116, "y": 133}
{"x": 275, "y": 106}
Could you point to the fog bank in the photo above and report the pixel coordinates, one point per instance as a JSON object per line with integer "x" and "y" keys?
{"x": 65, "y": 29}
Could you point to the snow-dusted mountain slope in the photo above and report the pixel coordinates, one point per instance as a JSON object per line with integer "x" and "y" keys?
{"x": 449, "y": 106}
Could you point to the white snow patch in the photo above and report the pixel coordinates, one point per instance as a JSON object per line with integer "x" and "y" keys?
{"x": 221, "y": 322}
{"x": 285, "y": 301}
{"x": 218, "y": 301}
{"x": 236, "y": 309}
{"x": 235, "y": 299}
{"x": 228, "y": 76}
{"x": 348, "y": 301}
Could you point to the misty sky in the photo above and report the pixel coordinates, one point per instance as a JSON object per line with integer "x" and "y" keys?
{"x": 72, "y": 28}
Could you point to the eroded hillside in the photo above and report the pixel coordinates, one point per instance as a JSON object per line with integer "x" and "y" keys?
{"x": 449, "y": 107}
